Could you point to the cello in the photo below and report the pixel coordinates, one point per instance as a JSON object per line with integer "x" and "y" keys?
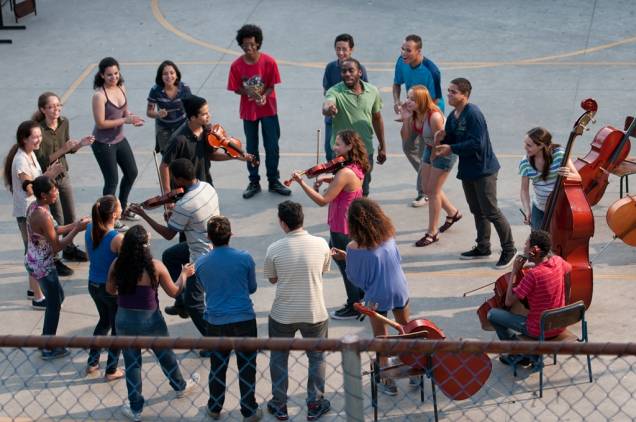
{"x": 609, "y": 148}
{"x": 569, "y": 219}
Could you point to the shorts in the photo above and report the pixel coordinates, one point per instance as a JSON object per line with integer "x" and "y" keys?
{"x": 397, "y": 308}
{"x": 442, "y": 163}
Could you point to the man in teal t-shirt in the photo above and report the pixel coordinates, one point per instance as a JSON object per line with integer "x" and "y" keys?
{"x": 355, "y": 104}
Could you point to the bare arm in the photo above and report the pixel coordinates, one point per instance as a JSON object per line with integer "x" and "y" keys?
{"x": 397, "y": 104}
{"x": 338, "y": 183}
{"x": 172, "y": 288}
{"x": 378, "y": 128}
{"x": 42, "y": 224}
{"x": 164, "y": 231}
{"x": 525, "y": 198}
{"x": 99, "y": 114}
{"x": 111, "y": 283}
{"x": 115, "y": 244}
{"x": 164, "y": 171}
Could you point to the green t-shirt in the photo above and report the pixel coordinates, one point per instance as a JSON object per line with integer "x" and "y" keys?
{"x": 355, "y": 111}
{"x": 52, "y": 140}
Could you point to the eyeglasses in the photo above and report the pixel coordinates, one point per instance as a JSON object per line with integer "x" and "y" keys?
{"x": 54, "y": 106}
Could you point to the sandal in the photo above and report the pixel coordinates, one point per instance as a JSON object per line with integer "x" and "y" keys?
{"x": 427, "y": 240}
{"x": 119, "y": 373}
{"x": 450, "y": 220}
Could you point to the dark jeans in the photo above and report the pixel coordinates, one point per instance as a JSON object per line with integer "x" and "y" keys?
{"x": 136, "y": 322}
{"x": 54, "y": 293}
{"x": 481, "y": 195}
{"x": 367, "y": 178}
{"x": 507, "y": 324}
{"x": 245, "y": 361}
{"x": 109, "y": 156}
{"x": 193, "y": 295}
{"x": 340, "y": 241}
{"x": 278, "y": 362}
{"x": 63, "y": 210}
{"x": 328, "y": 150}
{"x": 271, "y": 132}
{"x": 536, "y": 218}
{"x": 107, "y": 309}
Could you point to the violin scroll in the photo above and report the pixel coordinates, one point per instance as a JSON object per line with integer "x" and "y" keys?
{"x": 159, "y": 200}
{"x": 218, "y": 138}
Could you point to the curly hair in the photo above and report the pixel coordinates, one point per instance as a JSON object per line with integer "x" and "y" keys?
{"x": 358, "y": 153}
{"x": 104, "y": 64}
{"x": 369, "y": 226}
{"x": 134, "y": 258}
{"x": 249, "y": 31}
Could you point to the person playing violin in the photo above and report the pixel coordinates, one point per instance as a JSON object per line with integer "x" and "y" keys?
{"x": 190, "y": 216}
{"x": 543, "y": 286}
{"x": 344, "y": 187}
{"x": 542, "y": 165}
{"x": 190, "y": 141}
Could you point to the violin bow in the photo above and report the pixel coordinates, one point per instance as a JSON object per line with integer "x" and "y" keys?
{"x": 154, "y": 159}
{"x": 318, "y": 146}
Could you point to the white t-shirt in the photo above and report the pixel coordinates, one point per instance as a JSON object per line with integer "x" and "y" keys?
{"x": 191, "y": 215}
{"x": 298, "y": 261}
{"x": 23, "y": 163}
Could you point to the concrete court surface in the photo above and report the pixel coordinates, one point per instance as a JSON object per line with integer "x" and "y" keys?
{"x": 530, "y": 64}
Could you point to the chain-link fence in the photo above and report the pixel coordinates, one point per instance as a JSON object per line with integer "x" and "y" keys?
{"x": 445, "y": 379}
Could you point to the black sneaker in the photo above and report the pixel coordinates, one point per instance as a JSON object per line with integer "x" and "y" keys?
{"x": 176, "y": 310}
{"x": 58, "y": 352}
{"x": 474, "y": 253}
{"x": 346, "y": 312}
{"x": 39, "y": 305}
{"x": 505, "y": 259}
{"x": 73, "y": 253}
{"x": 252, "y": 189}
{"x": 316, "y": 409}
{"x": 30, "y": 294}
{"x": 120, "y": 227}
{"x": 279, "y": 188}
{"x": 518, "y": 360}
{"x": 206, "y": 353}
{"x": 279, "y": 411}
{"x": 63, "y": 270}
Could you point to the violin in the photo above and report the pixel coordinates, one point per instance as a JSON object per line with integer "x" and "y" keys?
{"x": 328, "y": 167}
{"x": 609, "y": 148}
{"x": 218, "y": 138}
{"x": 166, "y": 198}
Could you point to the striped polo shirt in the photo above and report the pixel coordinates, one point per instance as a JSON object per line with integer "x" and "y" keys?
{"x": 542, "y": 188}
{"x": 191, "y": 215}
{"x": 298, "y": 261}
{"x": 544, "y": 287}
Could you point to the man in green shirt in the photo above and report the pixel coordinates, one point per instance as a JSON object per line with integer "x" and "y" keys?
{"x": 355, "y": 104}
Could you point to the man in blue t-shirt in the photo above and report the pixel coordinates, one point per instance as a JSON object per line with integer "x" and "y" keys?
{"x": 412, "y": 68}
{"x": 344, "y": 49}
{"x": 228, "y": 276}
{"x": 466, "y": 134}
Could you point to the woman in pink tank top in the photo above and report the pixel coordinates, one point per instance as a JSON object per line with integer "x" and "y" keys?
{"x": 344, "y": 187}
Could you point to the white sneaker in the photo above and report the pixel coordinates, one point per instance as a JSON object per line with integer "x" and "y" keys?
{"x": 194, "y": 380}
{"x": 128, "y": 412}
{"x": 420, "y": 201}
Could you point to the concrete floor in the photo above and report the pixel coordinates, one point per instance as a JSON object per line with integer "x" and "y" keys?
{"x": 530, "y": 64}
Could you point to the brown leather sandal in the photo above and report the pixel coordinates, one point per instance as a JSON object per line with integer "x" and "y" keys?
{"x": 450, "y": 220}
{"x": 427, "y": 240}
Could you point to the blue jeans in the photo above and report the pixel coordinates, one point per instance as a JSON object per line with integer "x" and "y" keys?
{"x": 278, "y": 362}
{"x": 109, "y": 156}
{"x": 328, "y": 128}
{"x": 507, "y": 324}
{"x": 245, "y": 361}
{"x": 271, "y": 132}
{"x": 137, "y": 322}
{"x": 54, "y": 293}
{"x": 367, "y": 178}
{"x": 193, "y": 296}
{"x": 107, "y": 309}
{"x": 354, "y": 294}
{"x": 536, "y": 218}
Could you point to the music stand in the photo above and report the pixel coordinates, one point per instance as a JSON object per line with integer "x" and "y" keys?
{"x": 8, "y": 27}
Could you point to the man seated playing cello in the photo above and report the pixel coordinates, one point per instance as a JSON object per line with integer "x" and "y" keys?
{"x": 543, "y": 286}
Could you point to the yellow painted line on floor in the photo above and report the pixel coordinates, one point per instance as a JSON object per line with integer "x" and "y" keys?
{"x": 77, "y": 82}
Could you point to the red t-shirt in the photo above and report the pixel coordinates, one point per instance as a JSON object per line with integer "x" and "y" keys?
{"x": 265, "y": 70}
{"x": 544, "y": 287}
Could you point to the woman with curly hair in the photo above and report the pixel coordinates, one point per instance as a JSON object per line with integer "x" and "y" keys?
{"x": 373, "y": 265}
{"x": 344, "y": 187}
{"x": 135, "y": 277}
{"x": 423, "y": 119}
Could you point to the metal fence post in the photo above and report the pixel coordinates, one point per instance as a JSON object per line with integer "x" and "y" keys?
{"x": 352, "y": 372}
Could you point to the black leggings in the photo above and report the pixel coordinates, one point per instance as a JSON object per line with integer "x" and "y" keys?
{"x": 109, "y": 156}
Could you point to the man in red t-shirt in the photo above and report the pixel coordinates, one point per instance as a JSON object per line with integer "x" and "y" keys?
{"x": 543, "y": 286}
{"x": 253, "y": 76}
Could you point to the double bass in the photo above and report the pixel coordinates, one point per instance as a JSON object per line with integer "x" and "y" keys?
{"x": 609, "y": 148}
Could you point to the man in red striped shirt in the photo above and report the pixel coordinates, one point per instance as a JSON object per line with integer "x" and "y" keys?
{"x": 543, "y": 286}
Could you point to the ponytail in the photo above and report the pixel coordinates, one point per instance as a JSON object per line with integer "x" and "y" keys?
{"x": 23, "y": 132}
{"x": 43, "y": 100}
{"x": 102, "y": 211}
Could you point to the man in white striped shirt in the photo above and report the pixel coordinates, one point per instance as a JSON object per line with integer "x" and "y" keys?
{"x": 295, "y": 264}
{"x": 190, "y": 216}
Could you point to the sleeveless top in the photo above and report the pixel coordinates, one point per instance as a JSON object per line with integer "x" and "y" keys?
{"x": 100, "y": 257}
{"x": 427, "y": 133}
{"x": 39, "y": 256}
{"x": 144, "y": 298}
{"x": 112, "y": 112}
{"x": 337, "y": 214}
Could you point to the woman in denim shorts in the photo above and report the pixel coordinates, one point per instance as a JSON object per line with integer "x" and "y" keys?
{"x": 424, "y": 121}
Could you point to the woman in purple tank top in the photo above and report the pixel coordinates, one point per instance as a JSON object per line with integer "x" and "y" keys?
{"x": 135, "y": 277}
{"x": 344, "y": 186}
{"x": 111, "y": 148}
